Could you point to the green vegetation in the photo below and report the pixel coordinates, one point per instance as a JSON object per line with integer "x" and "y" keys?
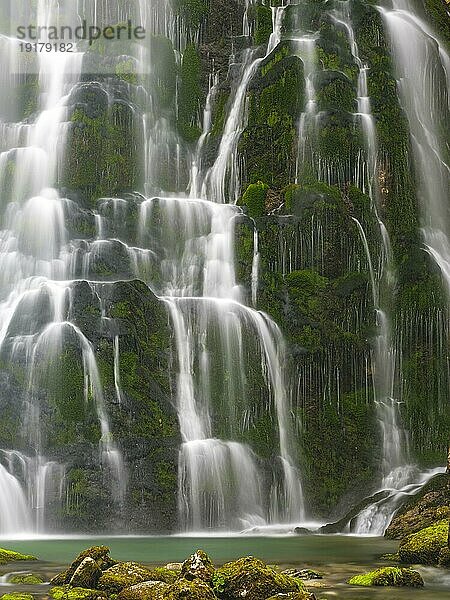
{"x": 7, "y": 556}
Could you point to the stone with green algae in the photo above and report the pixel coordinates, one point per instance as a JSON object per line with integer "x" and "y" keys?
{"x": 7, "y": 556}
{"x": 98, "y": 553}
{"x": 249, "y": 577}
{"x": 28, "y": 579}
{"x": 424, "y": 547}
{"x": 68, "y": 593}
{"x": 389, "y": 576}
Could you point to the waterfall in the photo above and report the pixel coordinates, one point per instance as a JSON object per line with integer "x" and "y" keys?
{"x": 419, "y": 56}
{"x": 222, "y": 181}
{"x": 14, "y": 512}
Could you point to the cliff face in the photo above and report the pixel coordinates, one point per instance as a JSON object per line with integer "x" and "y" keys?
{"x": 322, "y": 201}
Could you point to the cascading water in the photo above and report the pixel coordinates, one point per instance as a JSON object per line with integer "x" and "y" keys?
{"x": 419, "y": 56}
{"x": 33, "y": 250}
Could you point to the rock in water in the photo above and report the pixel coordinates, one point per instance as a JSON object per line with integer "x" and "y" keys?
{"x": 198, "y": 566}
{"x": 251, "y": 579}
{"x": 389, "y": 576}
{"x": 424, "y": 547}
{"x": 87, "y": 574}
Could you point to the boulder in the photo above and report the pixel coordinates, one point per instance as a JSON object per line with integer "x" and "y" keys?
{"x": 126, "y": 574}
{"x": 16, "y": 596}
{"x": 249, "y": 577}
{"x": 424, "y": 547}
{"x": 147, "y": 590}
{"x": 66, "y": 592}
{"x": 100, "y": 554}
{"x": 198, "y": 566}
{"x": 27, "y": 579}
{"x": 87, "y": 574}
{"x": 183, "y": 589}
{"x": 389, "y": 576}
{"x": 7, "y": 556}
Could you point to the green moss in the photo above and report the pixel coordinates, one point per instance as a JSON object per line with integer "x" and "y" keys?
{"x": 254, "y": 198}
{"x": 194, "y": 590}
{"x": 389, "y": 576}
{"x": 424, "y": 546}
{"x": 100, "y": 155}
{"x": 76, "y": 593}
{"x": 125, "y": 574}
{"x": 7, "y": 556}
{"x": 261, "y": 18}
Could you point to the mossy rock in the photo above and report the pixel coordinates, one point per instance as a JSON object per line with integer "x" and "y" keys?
{"x": 27, "y": 579}
{"x": 250, "y": 576}
{"x": 147, "y": 590}
{"x": 194, "y": 590}
{"x": 16, "y": 596}
{"x": 424, "y": 546}
{"x": 198, "y": 566}
{"x": 98, "y": 553}
{"x": 254, "y": 198}
{"x": 87, "y": 574}
{"x": 67, "y": 593}
{"x": 7, "y": 556}
{"x": 126, "y": 574}
{"x": 389, "y": 576}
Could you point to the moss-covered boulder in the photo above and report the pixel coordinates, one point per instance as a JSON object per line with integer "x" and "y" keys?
{"x": 68, "y": 593}
{"x": 126, "y": 574}
{"x": 87, "y": 574}
{"x": 198, "y": 566}
{"x": 100, "y": 554}
{"x": 389, "y": 576}
{"x": 424, "y": 547}
{"x": 147, "y": 590}
{"x": 194, "y": 590}
{"x": 7, "y": 556}
{"x": 249, "y": 577}
{"x": 26, "y": 579}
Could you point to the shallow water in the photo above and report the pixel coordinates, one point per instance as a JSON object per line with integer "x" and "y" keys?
{"x": 337, "y": 557}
